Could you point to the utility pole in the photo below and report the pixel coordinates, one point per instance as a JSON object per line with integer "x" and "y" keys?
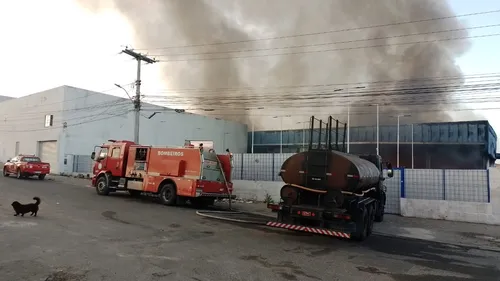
{"x": 137, "y": 101}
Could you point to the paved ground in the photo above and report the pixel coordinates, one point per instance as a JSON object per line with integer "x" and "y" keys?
{"x": 81, "y": 236}
{"x": 471, "y": 235}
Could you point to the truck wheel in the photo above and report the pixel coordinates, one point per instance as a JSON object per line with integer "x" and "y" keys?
{"x": 371, "y": 219}
{"x": 168, "y": 194}
{"x": 41, "y": 177}
{"x": 5, "y": 173}
{"x": 362, "y": 227}
{"x": 379, "y": 217}
{"x": 134, "y": 193}
{"x": 101, "y": 186}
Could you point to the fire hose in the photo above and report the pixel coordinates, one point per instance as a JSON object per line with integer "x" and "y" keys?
{"x": 212, "y": 215}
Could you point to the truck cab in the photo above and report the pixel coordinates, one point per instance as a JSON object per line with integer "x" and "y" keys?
{"x": 111, "y": 158}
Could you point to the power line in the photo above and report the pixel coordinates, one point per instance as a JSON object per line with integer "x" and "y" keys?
{"x": 312, "y": 112}
{"x": 92, "y": 93}
{"x": 335, "y": 92}
{"x": 329, "y": 43}
{"x": 37, "y": 114}
{"x": 349, "y": 85}
{"x": 337, "y": 49}
{"x": 36, "y": 120}
{"x": 68, "y": 125}
{"x": 325, "y": 32}
{"x": 321, "y": 96}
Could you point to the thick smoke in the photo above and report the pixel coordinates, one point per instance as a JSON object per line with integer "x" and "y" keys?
{"x": 232, "y": 86}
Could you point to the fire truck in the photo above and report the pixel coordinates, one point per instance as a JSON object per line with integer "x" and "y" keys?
{"x": 175, "y": 174}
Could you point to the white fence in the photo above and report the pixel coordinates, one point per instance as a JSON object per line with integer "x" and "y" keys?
{"x": 428, "y": 184}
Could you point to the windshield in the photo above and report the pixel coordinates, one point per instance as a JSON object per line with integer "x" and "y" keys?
{"x": 31, "y": 159}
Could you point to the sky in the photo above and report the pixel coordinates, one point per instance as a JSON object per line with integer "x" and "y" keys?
{"x": 57, "y": 42}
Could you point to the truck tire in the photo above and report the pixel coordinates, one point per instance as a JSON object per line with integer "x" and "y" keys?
{"x": 102, "y": 186}
{"x": 362, "y": 227}
{"x": 5, "y": 173}
{"x": 371, "y": 219}
{"x": 168, "y": 194}
{"x": 379, "y": 216}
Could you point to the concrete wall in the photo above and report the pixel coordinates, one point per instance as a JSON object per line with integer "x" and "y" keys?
{"x": 474, "y": 212}
{"x": 23, "y": 120}
{"x": 257, "y": 190}
{"x": 488, "y": 213}
{"x": 112, "y": 118}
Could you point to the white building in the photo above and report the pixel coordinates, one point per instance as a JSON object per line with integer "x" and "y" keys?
{"x": 63, "y": 125}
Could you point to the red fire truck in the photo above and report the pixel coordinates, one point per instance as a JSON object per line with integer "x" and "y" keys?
{"x": 175, "y": 174}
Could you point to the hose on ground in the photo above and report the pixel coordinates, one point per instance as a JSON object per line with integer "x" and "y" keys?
{"x": 207, "y": 214}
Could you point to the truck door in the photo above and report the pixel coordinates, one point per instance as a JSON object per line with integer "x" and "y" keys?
{"x": 114, "y": 161}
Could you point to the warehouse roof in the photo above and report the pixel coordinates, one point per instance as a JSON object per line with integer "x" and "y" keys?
{"x": 4, "y": 98}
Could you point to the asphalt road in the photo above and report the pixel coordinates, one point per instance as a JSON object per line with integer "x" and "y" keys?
{"x": 81, "y": 236}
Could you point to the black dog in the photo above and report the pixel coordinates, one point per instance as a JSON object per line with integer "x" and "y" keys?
{"x": 26, "y": 208}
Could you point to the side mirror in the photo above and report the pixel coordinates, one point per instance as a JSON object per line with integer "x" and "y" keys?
{"x": 92, "y": 156}
{"x": 390, "y": 171}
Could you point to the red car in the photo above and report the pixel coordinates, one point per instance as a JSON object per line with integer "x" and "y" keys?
{"x": 26, "y": 166}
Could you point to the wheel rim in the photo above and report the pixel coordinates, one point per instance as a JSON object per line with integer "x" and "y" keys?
{"x": 101, "y": 185}
{"x": 167, "y": 194}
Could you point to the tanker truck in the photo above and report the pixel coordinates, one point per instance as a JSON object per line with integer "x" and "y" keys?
{"x": 328, "y": 191}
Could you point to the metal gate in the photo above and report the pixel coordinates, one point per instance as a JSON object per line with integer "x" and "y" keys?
{"x": 48, "y": 153}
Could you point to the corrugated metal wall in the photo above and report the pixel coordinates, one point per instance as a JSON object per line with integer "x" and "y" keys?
{"x": 473, "y": 132}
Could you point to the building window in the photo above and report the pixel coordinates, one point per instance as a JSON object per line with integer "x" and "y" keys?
{"x": 49, "y": 120}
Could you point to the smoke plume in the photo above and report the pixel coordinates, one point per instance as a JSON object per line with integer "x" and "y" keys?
{"x": 311, "y": 78}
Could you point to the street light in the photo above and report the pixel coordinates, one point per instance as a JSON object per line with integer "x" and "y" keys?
{"x": 253, "y": 138}
{"x": 412, "y": 155}
{"x": 349, "y": 111}
{"x": 281, "y": 131}
{"x": 304, "y": 133}
{"x": 399, "y": 116}
{"x": 378, "y": 126}
{"x": 126, "y": 92}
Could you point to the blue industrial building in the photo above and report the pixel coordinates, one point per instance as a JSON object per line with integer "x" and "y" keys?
{"x": 451, "y": 145}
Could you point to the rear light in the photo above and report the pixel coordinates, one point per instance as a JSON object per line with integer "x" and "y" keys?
{"x": 343, "y": 216}
{"x": 30, "y": 166}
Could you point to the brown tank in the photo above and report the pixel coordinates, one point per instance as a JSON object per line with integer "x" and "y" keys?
{"x": 324, "y": 170}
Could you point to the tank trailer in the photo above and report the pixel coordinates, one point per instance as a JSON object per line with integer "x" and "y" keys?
{"x": 331, "y": 192}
